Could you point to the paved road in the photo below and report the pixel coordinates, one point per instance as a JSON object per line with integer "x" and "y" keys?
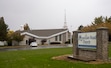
{"x": 15, "y": 48}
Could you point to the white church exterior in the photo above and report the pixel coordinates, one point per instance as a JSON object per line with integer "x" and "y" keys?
{"x": 49, "y": 35}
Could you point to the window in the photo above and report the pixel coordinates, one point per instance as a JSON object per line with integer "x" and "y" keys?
{"x": 55, "y": 38}
{"x": 60, "y": 37}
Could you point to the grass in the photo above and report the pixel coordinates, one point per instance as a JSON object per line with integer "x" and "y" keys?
{"x": 41, "y": 58}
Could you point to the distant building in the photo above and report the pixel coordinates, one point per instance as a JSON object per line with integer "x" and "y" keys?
{"x": 45, "y": 36}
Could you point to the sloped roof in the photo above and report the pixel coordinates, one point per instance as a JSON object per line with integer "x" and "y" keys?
{"x": 44, "y": 32}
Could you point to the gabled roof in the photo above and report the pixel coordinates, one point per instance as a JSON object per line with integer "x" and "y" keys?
{"x": 44, "y": 33}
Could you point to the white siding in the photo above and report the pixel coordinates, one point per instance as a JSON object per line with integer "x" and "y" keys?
{"x": 67, "y": 36}
{"x": 1, "y": 43}
{"x": 24, "y": 40}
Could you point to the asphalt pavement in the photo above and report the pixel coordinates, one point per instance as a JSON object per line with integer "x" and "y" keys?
{"x": 27, "y": 47}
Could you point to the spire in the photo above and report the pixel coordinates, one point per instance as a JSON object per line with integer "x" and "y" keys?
{"x": 65, "y": 23}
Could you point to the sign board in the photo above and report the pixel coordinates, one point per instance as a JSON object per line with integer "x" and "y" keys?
{"x": 87, "y": 40}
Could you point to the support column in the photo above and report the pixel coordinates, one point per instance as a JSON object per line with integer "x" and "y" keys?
{"x": 102, "y": 44}
{"x": 75, "y": 43}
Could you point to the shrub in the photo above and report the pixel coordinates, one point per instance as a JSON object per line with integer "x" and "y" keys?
{"x": 55, "y": 43}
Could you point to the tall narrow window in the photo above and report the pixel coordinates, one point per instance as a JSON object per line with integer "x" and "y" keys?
{"x": 60, "y": 37}
{"x": 55, "y": 38}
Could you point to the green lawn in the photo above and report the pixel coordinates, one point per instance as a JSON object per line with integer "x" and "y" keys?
{"x": 41, "y": 58}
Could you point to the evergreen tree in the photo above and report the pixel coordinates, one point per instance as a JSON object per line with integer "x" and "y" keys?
{"x": 80, "y": 27}
{"x": 109, "y": 19}
{"x": 3, "y": 29}
{"x": 99, "y": 20}
{"x": 26, "y": 27}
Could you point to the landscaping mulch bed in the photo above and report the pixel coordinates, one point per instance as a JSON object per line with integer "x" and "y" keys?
{"x": 65, "y": 58}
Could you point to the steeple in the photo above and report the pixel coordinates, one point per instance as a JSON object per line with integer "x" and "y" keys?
{"x": 65, "y": 23}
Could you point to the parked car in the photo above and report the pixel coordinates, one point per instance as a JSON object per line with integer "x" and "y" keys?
{"x": 34, "y": 44}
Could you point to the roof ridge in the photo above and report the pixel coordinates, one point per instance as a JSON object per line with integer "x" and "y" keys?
{"x": 49, "y": 29}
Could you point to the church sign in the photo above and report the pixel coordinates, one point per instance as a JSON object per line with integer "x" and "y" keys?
{"x": 87, "y": 40}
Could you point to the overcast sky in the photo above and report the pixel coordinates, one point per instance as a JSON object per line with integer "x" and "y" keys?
{"x": 49, "y": 14}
